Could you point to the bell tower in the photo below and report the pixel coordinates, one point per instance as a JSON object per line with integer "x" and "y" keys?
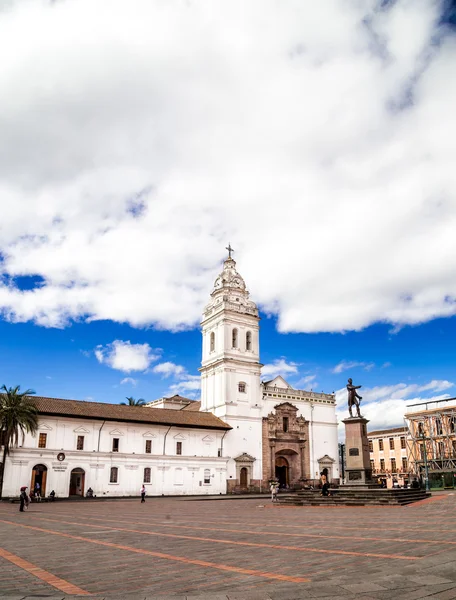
{"x": 230, "y": 369}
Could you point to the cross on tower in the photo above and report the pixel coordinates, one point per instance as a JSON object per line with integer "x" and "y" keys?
{"x": 230, "y": 250}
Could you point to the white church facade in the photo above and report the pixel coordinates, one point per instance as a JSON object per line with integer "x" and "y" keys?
{"x": 243, "y": 432}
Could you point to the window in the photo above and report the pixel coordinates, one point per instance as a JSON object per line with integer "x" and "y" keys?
{"x": 453, "y": 424}
{"x": 403, "y": 443}
{"x": 382, "y": 465}
{"x": 441, "y": 449}
{"x": 241, "y": 387}
{"x": 212, "y": 342}
{"x": 146, "y": 475}
{"x": 420, "y": 428}
{"x": 114, "y": 475}
{"x": 391, "y": 441}
{"x": 372, "y": 464}
{"x": 42, "y": 440}
{"x": 422, "y": 451}
{"x": 219, "y": 452}
{"x": 438, "y": 426}
{"x": 234, "y": 338}
{"x": 371, "y": 446}
{"x": 179, "y": 448}
{"x": 80, "y": 443}
{"x": 380, "y": 444}
{"x": 207, "y": 476}
{"x": 393, "y": 465}
{"x": 248, "y": 340}
{"x": 115, "y": 444}
{"x": 148, "y": 446}
{"x": 404, "y": 464}
{"x": 454, "y": 448}
{"x": 285, "y": 424}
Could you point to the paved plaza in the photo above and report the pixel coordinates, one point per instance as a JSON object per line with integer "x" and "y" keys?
{"x": 193, "y": 548}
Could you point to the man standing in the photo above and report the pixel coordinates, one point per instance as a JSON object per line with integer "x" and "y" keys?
{"x": 23, "y": 498}
{"x": 143, "y": 493}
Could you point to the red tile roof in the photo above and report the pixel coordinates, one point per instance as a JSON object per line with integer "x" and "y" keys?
{"x": 134, "y": 414}
{"x": 193, "y": 406}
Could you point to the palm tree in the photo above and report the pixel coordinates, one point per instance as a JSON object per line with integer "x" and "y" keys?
{"x": 18, "y": 416}
{"x": 133, "y": 402}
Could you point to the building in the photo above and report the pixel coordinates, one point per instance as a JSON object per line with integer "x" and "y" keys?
{"x": 243, "y": 432}
{"x": 389, "y": 458}
{"x": 432, "y": 442}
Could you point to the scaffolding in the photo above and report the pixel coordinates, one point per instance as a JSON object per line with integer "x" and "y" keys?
{"x": 431, "y": 442}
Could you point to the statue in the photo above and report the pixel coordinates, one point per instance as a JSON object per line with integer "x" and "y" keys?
{"x": 354, "y": 398}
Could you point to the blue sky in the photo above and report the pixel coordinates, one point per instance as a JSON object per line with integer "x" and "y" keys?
{"x": 319, "y": 138}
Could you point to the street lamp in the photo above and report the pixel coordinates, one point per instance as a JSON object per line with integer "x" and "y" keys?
{"x": 426, "y": 472}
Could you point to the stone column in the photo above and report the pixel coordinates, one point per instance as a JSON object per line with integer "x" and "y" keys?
{"x": 303, "y": 464}
{"x": 272, "y": 450}
{"x": 358, "y": 468}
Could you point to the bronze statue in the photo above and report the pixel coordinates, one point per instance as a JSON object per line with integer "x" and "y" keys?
{"x": 354, "y": 398}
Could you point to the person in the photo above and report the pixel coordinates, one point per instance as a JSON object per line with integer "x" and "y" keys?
{"x": 37, "y": 492}
{"x": 415, "y": 484}
{"x": 52, "y": 496}
{"x": 324, "y": 483}
{"x": 89, "y": 493}
{"x": 274, "y": 490}
{"x": 143, "y": 493}
{"x": 23, "y": 498}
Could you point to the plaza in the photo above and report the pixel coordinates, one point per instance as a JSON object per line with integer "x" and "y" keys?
{"x": 227, "y": 548}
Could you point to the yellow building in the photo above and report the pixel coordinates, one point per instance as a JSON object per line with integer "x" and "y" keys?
{"x": 388, "y": 457}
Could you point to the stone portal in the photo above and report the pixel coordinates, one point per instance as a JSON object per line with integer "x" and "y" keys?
{"x": 285, "y": 449}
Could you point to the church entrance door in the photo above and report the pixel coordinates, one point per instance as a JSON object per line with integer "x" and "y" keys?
{"x": 39, "y": 475}
{"x": 282, "y": 471}
{"x": 243, "y": 477}
{"x": 77, "y": 482}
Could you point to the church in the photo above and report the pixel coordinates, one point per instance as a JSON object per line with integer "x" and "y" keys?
{"x": 240, "y": 435}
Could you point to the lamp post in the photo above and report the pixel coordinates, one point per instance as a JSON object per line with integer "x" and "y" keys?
{"x": 426, "y": 472}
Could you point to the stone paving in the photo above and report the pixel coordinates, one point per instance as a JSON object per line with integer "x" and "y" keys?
{"x": 242, "y": 549}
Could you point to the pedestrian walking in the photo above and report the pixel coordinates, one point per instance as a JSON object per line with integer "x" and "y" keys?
{"x": 274, "y": 490}
{"x": 143, "y": 493}
{"x": 37, "y": 492}
{"x": 23, "y": 498}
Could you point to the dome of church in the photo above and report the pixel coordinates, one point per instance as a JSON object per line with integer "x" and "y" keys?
{"x": 229, "y": 278}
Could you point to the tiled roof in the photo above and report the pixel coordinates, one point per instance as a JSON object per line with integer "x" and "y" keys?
{"x": 135, "y": 414}
{"x": 193, "y": 406}
{"x": 388, "y": 431}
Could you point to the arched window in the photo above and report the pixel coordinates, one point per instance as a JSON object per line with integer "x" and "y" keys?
{"x": 147, "y": 475}
{"x": 248, "y": 340}
{"x": 241, "y": 387}
{"x": 114, "y": 475}
{"x": 212, "y": 341}
{"x": 234, "y": 338}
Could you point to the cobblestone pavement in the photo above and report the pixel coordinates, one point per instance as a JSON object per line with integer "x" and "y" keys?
{"x": 186, "y": 548}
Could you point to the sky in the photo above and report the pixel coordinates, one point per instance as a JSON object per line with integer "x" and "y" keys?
{"x": 137, "y": 139}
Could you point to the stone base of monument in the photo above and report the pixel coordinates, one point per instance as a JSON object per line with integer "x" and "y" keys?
{"x": 345, "y": 496}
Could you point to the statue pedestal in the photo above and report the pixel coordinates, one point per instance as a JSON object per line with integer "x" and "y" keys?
{"x": 357, "y": 458}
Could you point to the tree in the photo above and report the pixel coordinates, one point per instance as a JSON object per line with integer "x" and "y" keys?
{"x": 133, "y": 402}
{"x": 18, "y": 416}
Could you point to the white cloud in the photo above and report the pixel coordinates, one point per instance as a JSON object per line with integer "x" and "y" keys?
{"x": 345, "y": 365}
{"x": 279, "y": 367}
{"x": 128, "y": 381}
{"x": 168, "y": 369}
{"x": 189, "y": 387}
{"x": 125, "y": 356}
{"x": 385, "y": 406}
{"x": 308, "y": 381}
{"x": 125, "y": 170}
